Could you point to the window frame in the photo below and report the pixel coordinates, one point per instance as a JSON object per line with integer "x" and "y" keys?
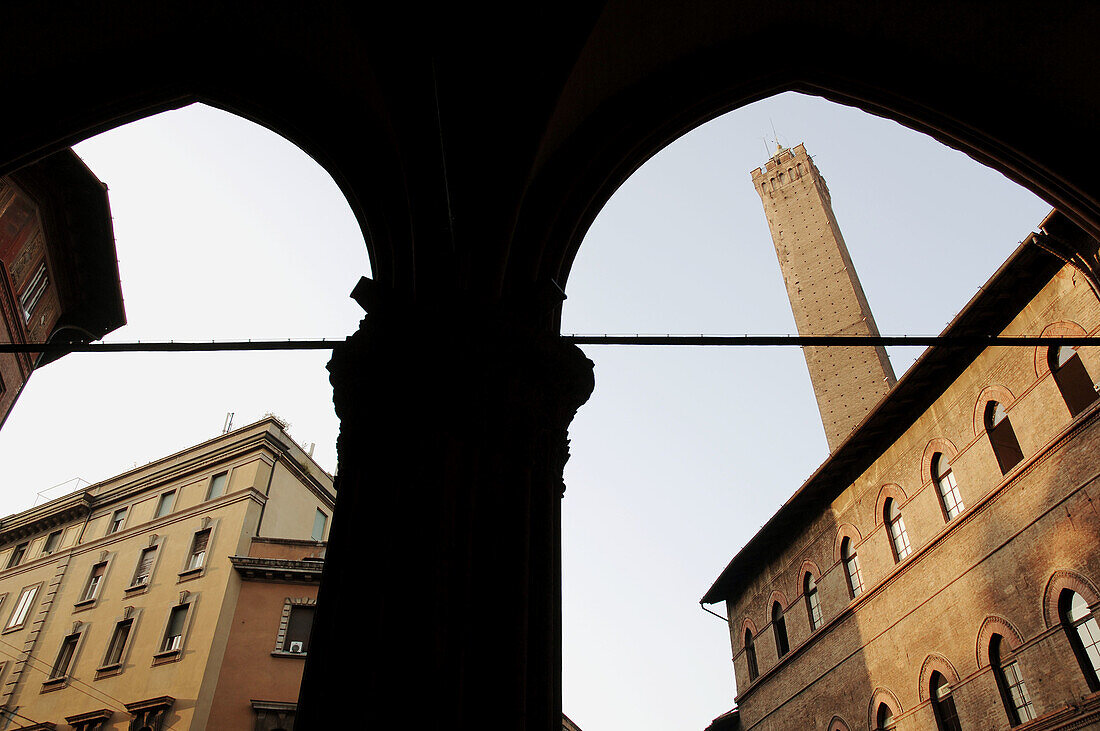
{"x": 315, "y": 535}
{"x": 1002, "y": 436}
{"x": 189, "y": 567}
{"x": 750, "y": 656}
{"x": 30, "y": 591}
{"x": 943, "y": 702}
{"x": 895, "y": 531}
{"x": 18, "y": 554}
{"x": 117, "y": 521}
{"x": 70, "y": 643}
{"x": 813, "y": 601}
{"x": 46, "y": 549}
{"x": 779, "y": 630}
{"x": 282, "y": 638}
{"x": 110, "y": 663}
{"x": 939, "y": 479}
{"x": 134, "y": 585}
{"x": 165, "y": 503}
{"x": 1073, "y": 633}
{"x": 224, "y": 485}
{"x": 167, "y": 655}
{"x": 1000, "y": 664}
{"x": 1075, "y": 384}
{"x": 853, "y": 574}
{"x": 91, "y": 591}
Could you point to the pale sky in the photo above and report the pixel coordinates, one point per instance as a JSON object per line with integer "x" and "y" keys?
{"x": 226, "y": 231}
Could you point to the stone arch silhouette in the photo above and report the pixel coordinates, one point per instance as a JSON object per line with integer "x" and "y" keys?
{"x": 933, "y": 663}
{"x": 887, "y": 492}
{"x": 1065, "y": 579}
{"x": 1060, "y": 329}
{"x": 996, "y": 393}
{"x": 990, "y": 626}
{"x": 846, "y": 530}
{"x": 777, "y": 596}
{"x": 838, "y": 724}
{"x": 879, "y": 696}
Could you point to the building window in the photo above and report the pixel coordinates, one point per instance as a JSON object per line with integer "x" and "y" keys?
{"x": 217, "y": 486}
{"x": 1084, "y": 634}
{"x": 319, "y": 522}
{"x": 144, "y": 568}
{"x": 813, "y": 601}
{"x": 173, "y": 633}
{"x": 851, "y": 568}
{"x": 118, "y": 643}
{"x": 944, "y": 478}
{"x": 1002, "y": 437}
{"x": 91, "y": 589}
{"x": 780, "y": 178}
{"x": 750, "y": 656}
{"x": 197, "y": 558}
{"x": 116, "y": 521}
{"x": 800, "y": 170}
{"x": 884, "y": 718}
{"x": 18, "y": 554}
{"x": 53, "y": 540}
{"x": 1072, "y": 379}
{"x": 779, "y": 628}
{"x": 34, "y": 291}
{"x": 22, "y": 608}
{"x": 895, "y": 525}
{"x": 298, "y": 628}
{"x": 943, "y": 705}
{"x": 64, "y": 657}
{"x": 164, "y": 504}
{"x": 1010, "y": 682}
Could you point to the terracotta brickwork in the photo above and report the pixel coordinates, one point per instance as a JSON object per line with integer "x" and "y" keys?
{"x": 997, "y": 567}
{"x": 825, "y": 293}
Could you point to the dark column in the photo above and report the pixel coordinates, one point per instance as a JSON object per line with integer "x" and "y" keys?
{"x": 440, "y": 605}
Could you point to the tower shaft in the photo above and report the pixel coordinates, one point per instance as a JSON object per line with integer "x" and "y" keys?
{"x": 825, "y": 294}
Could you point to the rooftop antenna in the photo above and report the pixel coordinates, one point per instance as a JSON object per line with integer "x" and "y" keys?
{"x": 228, "y": 424}
{"x": 775, "y": 136}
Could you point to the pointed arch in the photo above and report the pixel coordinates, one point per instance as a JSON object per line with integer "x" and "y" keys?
{"x": 995, "y": 625}
{"x": 878, "y": 697}
{"x": 937, "y": 446}
{"x": 808, "y": 567}
{"x": 747, "y": 624}
{"x": 1060, "y": 329}
{"x": 888, "y": 491}
{"x": 1064, "y": 579}
{"x": 932, "y": 664}
{"x": 846, "y": 530}
{"x": 838, "y": 724}
{"x": 778, "y": 596}
{"x": 996, "y": 393}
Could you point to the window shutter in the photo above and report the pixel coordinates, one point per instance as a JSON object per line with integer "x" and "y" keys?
{"x": 202, "y": 538}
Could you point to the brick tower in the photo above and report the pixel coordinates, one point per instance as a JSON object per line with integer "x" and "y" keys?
{"x": 824, "y": 291}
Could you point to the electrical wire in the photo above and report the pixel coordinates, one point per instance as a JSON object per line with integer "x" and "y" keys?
{"x": 39, "y": 664}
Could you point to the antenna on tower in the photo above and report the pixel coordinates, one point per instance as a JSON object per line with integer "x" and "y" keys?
{"x": 775, "y": 136}
{"x": 228, "y": 424}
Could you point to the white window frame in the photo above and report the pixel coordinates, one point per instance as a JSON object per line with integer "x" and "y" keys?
{"x": 21, "y": 611}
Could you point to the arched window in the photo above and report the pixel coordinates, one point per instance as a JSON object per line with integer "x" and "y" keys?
{"x": 750, "y": 656}
{"x": 773, "y": 183}
{"x": 779, "y": 628}
{"x": 781, "y": 178}
{"x": 1010, "y": 682}
{"x": 1084, "y": 634}
{"x": 895, "y": 525}
{"x": 800, "y": 170}
{"x": 944, "y": 478}
{"x": 884, "y": 718}
{"x": 813, "y": 601}
{"x": 851, "y": 568}
{"x": 943, "y": 705}
{"x": 1072, "y": 379}
{"x": 1002, "y": 437}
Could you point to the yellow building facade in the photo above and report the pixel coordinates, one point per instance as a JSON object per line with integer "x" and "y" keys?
{"x": 116, "y": 602}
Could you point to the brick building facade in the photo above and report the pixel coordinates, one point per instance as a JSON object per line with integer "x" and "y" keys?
{"x": 941, "y": 569}
{"x": 58, "y": 271}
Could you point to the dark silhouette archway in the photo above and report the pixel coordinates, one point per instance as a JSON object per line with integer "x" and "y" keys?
{"x": 475, "y": 159}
